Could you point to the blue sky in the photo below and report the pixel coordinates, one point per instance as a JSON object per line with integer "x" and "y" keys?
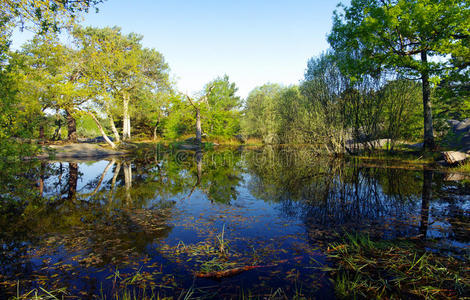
{"x": 253, "y": 42}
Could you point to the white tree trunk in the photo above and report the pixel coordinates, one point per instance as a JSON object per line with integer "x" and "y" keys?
{"x": 110, "y": 164}
{"x": 198, "y": 126}
{"x": 113, "y": 184}
{"x": 102, "y": 131}
{"x": 114, "y": 129}
{"x": 117, "y": 138}
{"x": 129, "y": 126}
{"x": 126, "y": 127}
{"x": 128, "y": 181}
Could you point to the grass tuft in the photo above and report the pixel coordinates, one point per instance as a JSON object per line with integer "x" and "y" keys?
{"x": 463, "y": 167}
{"x": 385, "y": 269}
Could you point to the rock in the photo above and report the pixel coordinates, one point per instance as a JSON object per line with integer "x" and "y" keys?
{"x": 81, "y": 151}
{"x": 188, "y": 147}
{"x": 460, "y": 135}
{"x": 192, "y": 140}
{"x": 455, "y": 177}
{"x": 453, "y": 157}
{"x": 453, "y": 123}
{"x": 99, "y": 139}
{"x": 379, "y": 143}
{"x": 416, "y": 146}
{"x": 463, "y": 125}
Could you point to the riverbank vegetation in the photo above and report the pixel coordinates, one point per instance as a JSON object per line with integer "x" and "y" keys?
{"x": 372, "y": 90}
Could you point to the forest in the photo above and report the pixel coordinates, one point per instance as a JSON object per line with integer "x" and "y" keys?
{"x": 396, "y": 71}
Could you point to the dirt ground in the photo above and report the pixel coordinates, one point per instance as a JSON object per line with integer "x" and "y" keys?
{"x": 79, "y": 151}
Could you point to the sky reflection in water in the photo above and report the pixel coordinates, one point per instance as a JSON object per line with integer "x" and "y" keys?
{"x": 162, "y": 216}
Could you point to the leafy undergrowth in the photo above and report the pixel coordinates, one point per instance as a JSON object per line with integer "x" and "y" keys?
{"x": 368, "y": 269}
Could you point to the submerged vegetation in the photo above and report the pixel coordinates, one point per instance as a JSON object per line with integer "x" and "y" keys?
{"x": 261, "y": 223}
{"x": 396, "y": 269}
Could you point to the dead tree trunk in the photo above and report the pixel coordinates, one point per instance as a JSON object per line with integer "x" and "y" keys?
{"x": 198, "y": 127}
{"x": 114, "y": 129}
{"x": 198, "y": 121}
{"x": 198, "y": 114}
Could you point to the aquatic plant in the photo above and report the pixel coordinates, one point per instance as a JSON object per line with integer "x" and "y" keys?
{"x": 40, "y": 293}
{"x": 391, "y": 269}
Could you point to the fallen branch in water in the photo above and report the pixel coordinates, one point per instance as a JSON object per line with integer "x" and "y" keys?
{"x": 235, "y": 271}
{"x": 226, "y": 273}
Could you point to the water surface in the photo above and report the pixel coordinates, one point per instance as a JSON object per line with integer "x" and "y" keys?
{"x": 160, "y": 219}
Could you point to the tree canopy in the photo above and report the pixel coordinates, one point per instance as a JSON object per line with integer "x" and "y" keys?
{"x": 412, "y": 38}
{"x": 43, "y": 16}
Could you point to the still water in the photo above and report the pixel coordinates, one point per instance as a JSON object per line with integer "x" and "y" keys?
{"x": 158, "y": 222}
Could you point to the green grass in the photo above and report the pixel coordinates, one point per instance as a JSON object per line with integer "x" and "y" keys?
{"x": 462, "y": 168}
{"x": 405, "y": 156}
{"x": 368, "y": 269}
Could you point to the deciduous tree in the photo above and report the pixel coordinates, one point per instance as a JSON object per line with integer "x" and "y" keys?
{"x": 410, "y": 37}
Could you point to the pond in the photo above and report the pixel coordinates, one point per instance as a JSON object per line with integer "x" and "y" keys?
{"x": 230, "y": 223}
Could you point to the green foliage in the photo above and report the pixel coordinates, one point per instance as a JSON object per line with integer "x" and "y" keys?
{"x": 463, "y": 167}
{"x": 221, "y": 115}
{"x": 410, "y": 38}
{"x": 180, "y": 119}
{"x": 86, "y": 127}
{"x": 402, "y": 110}
{"x": 324, "y": 89}
{"x": 131, "y": 81}
{"x": 369, "y": 35}
{"x": 52, "y": 74}
{"x": 453, "y": 92}
{"x": 328, "y": 109}
{"x": 18, "y": 117}
{"x": 259, "y": 116}
{"x": 44, "y": 16}
{"x": 219, "y": 108}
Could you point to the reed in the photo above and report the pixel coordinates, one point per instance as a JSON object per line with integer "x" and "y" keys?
{"x": 387, "y": 269}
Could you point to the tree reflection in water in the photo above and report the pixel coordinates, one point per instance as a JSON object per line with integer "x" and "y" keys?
{"x": 111, "y": 213}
